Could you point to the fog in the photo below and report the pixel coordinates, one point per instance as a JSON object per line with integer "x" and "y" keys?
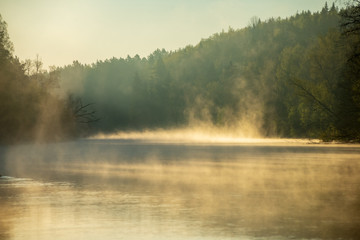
{"x": 204, "y": 134}
{"x": 263, "y": 80}
{"x": 257, "y": 188}
{"x": 249, "y": 134}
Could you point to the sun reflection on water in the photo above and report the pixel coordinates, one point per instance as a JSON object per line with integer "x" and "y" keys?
{"x": 112, "y": 189}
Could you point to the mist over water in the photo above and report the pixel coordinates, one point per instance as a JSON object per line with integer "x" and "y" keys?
{"x": 171, "y": 145}
{"x": 203, "y": 134}
{"x": 151, "y": 186}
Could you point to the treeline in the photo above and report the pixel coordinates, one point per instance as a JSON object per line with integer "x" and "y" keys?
{"x": 294, "y": 77}
{"x": 28, "y": 109}
{"x": 288, "y": 77}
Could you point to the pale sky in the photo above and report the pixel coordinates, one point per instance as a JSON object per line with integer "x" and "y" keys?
{"x": 62, "y": 31}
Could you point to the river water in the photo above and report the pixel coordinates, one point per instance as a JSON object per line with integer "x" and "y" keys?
{"x": 143, "y": 189}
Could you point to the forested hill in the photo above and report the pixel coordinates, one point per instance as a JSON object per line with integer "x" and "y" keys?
{"x": 294, "y": 77}
{"x": 281, "y": 76}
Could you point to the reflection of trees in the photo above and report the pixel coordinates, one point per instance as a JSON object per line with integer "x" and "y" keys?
{"x": 261, "y": 199}
{"x": 5, "y": 225}
{"x": 8, "y": 211}
{"x": 302, "y": 198}
{"x": 228, "y": 190}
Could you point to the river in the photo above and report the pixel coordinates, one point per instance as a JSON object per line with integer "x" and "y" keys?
{"x": 143, "y": 189}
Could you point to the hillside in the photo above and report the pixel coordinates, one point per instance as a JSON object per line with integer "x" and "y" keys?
{"x": 296, "y": 77}
{"x": 279, "y": 76}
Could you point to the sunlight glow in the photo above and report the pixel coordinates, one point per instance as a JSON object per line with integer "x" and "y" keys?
{"x": 191, "y": 135}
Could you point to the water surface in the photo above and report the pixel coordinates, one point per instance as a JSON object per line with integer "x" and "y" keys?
{"x": 133, "y": 189}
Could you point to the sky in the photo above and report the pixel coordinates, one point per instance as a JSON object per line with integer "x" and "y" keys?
{"x": 62, "y": 31}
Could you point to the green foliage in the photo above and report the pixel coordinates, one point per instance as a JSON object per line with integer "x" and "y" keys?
{"x": 281, "y": 73}
{"x": 294, "y": 77}
{"x": 348, "y": 125}
{"x": 28, "y": 111}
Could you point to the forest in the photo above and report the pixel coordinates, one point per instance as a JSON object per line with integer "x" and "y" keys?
{"x": 296, "y": 78}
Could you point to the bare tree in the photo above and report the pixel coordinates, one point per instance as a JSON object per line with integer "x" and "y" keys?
{"x": 254, "y": 21}
{"x": 38, "y": 64}
{"x": 82, "y": 112}
{"x": 27, "y": 66}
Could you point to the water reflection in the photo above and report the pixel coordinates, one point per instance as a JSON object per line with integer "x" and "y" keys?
{"x": 7, "y": 212}
{"x": 130, "y": 190}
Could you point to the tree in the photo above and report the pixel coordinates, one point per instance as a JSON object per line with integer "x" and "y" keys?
{"x": 28, "y": 109}
{"x": 81, "y": 112}
{"x": 351, "y": 18}
{"x": 6, "y": 46}
{"x": 349, "y": 94}
{"x": 254, "y": 21}
{"x": 224, "y": 79}
{"x": 28, "y": 64}
{"x": 325, "y": 9}
{"x": 38, "y": 64}
{"x": 350, "y": 26}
